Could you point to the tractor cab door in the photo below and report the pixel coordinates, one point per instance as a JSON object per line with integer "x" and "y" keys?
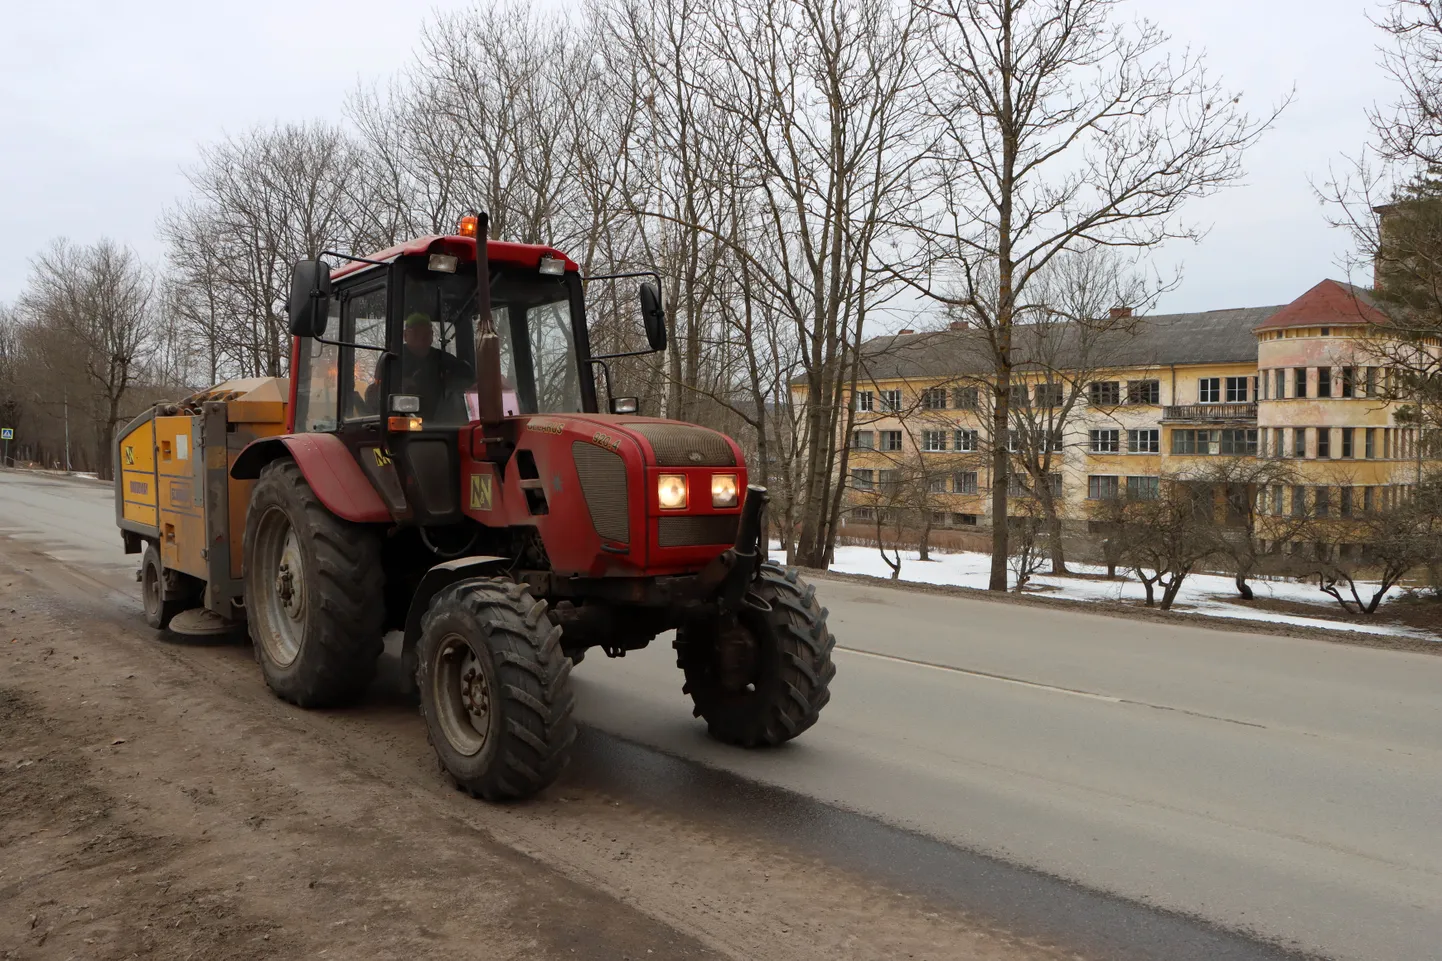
{"x": 340, "y": 381}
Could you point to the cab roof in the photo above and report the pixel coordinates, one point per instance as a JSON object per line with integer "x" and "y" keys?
{"x": 497, "y": 251}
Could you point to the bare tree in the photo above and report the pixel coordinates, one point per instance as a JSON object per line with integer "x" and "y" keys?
{"x": 1162, "y": 538}
{"x": 1060, "y": 130}
{"x": 1381, "y": 546}
{"x": 1262, "y": 524}
{"x": 91, "y": 309}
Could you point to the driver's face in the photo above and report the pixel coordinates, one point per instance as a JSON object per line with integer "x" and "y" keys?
{"x": 419, "y": 338}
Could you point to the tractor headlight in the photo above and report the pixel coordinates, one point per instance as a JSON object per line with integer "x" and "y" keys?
{"x": 723, "y": 490}
{"x": 671, "y": 491}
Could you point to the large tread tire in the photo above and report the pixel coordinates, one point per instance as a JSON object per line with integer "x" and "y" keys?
{"x": 341, "y": 627}
{"x": 528, "y": 727}
{"x": 164, "y": 593}
{"x": 793, "y": 680}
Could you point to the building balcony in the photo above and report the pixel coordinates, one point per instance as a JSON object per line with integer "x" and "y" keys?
{"x": 1210, "y": 414}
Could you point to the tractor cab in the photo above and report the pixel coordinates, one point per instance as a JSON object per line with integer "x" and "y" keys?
{"x": 385, "y": 356}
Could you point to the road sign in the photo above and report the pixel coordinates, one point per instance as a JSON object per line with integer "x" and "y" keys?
{"x": 7, "y": 433}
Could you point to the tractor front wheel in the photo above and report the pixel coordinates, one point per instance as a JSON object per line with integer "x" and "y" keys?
{"x": 764, "y": 678}
{"x": 314, "y": 592}
{"x": 495, "y": 689}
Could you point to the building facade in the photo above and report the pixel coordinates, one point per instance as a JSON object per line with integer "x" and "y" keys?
{"x": 1294, "y": 382}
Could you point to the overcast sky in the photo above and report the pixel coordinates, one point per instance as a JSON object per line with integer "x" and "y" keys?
{"x": 102, "y": 105}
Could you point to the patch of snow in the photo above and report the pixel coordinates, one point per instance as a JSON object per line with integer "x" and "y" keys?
{"x": 1201, "y": 594}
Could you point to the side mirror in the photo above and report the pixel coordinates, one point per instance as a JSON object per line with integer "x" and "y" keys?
{"x": 653, "y": 315}
{"x": 309, "y": 298}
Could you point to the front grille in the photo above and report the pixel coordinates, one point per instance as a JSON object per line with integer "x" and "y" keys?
{"x": 603, "y": 484}
{"x": 680, "y": 445}
{"x": 690, "y": 531}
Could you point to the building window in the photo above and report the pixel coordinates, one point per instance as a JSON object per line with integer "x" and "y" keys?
{"x": 1144, "y": 392}
{"x": 861, "y": 478}
{"x": 1144, "y": 441}
{"x": 1048, "y": 395}
{"x": 933, "y": 440}
{"x": 1195, "y": 442}
{"x": 1347, "y": 441}
{"x": 934, "y": 398}
{"x": 1277, "y": 499}
{"x": 891, "y": 440}
{"x": 1209, "y": 390}
{"x": 863, "y": 440}
{"x": 890, "y": 480}
{"x": 1299, "y": 442}
{"x": 1349, "y": 382}
{"x": 1054, "y": 440}
{"x": 1239, "y": 442}
{"x": 964, "y": 482}
{"x": 1011, "y": 440}
{"x": 1237, "y": 390}
{"x": 862, "y": 514}
{"x": 1016, "y": 484}
{"x": 1324, "y": 382}
{"x": 1279, "y": 385}
{"x": 1105, "y": 441}
{"x": 1299, "y": 382}
{"x": 1105, "y": 393}
{"x": 1143, "y": 488}
{"x": 963, "y": 520}
{"x": 1324, "y": 442}
{"x": 1369, "y": 443}
{"x": 964, "y": 398}
{"x": 1344, "y": 503}
{"x": 1018, "y": 397}
{"x": 965, "y": 440}
{"x": 936, "y": 485}
{"x": 891, "y": 400}
{"x": 1367, "y": 500}
{"x": 1279, "y": 444}
{"x": 1371, "y": 382}
{"x": 1322, "y": 502}
{"x": 1053, "y": 481}
{"x": 1101, "y": 487}
{"x": 1299, "y": 501}
{"x": 865, "y": 400}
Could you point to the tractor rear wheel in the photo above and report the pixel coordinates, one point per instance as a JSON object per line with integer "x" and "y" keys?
{"x": 164, "y": 593}
{"x": 495, "y": 689}
{"x": 763, "y": 679}
{"x": 314, "y": 592}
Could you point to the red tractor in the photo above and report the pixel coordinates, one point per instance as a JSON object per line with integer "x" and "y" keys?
{"x": 445, "y": 472}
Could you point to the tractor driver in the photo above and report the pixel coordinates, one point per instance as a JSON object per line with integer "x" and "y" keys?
{"x": 436, "y": 377}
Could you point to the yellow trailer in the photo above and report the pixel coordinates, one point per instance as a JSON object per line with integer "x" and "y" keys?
{"x": 176, "y": 502}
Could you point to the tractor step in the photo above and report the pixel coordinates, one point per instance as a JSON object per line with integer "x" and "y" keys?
{"x": 199, "y": 622}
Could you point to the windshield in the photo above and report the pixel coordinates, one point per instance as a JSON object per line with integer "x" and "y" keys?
{"x": 532, "y": 315}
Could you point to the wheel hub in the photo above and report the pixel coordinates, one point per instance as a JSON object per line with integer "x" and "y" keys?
{"x": 461, "y": 693}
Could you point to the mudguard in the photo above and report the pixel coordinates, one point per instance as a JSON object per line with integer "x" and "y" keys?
{"x": 437, "y": 579}
{"x": 329, "y": 468}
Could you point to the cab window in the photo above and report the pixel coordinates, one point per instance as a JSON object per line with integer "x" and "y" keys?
{"x": 317, "y": 395}
{"x": 363, "y": 314}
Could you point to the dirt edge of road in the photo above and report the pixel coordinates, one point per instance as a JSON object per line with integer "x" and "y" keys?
{"x": 1118, "y": 609}
{"x": 155, "y": 799}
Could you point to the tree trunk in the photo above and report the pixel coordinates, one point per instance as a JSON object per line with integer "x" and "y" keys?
{"x": 1000, "y": 462}
{"x": 1053, "y": 533}
{"x": 1243, "y": 588}
{"x": 924, "y": 547}
{"x": 1169, "y": 594}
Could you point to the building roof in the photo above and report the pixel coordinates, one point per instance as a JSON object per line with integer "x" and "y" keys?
{"x": 1208, "y": 337}
{"x": 1331, "y": 303}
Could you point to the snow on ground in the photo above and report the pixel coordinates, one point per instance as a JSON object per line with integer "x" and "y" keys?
{"x": 1202, "y": 594}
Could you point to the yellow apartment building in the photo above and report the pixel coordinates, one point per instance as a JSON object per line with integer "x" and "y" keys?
{"x": 1292, "y": 381}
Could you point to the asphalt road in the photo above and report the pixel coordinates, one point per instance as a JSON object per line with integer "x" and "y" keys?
{"x": 1286, "y": 788}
